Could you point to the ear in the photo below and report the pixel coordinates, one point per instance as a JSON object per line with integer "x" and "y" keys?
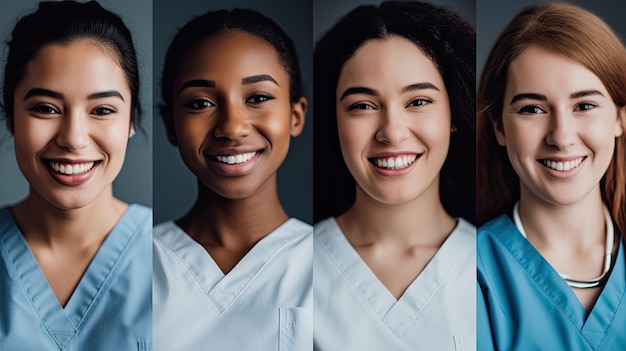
{"x": 131, "y": 132}
{"x": 620, "y": 124}
{"x": 168, "y": 120}
{"x": 498, "y": 130}
{"x": 298, "y": 113}
{"x": 9, "y": 124}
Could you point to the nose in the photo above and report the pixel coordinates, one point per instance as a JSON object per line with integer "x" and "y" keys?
{"x": 232, "y": 123}
{"x": 562, "y": 133}
{"x": 73, "y": 133}
{"x": 393, "y": 129}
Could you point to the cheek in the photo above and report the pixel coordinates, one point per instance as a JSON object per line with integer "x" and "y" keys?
{"x": 32, "y": 135}
{"x": 275, "y": 125}
{"x": 352, "y": 137}
{"x": 190, "y": 132}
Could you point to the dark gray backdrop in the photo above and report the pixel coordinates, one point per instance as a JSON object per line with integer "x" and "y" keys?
{"x": 174, "y": 185}
{"x": 494, "y": 15}
{"x": 134, "y": 183}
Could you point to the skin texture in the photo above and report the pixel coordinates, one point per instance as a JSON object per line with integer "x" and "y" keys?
{"x": 233, "y": 115}
{"x": 561, "y": 211}
{"x": 392, "y": 117}
{"x": 72, "y": 126}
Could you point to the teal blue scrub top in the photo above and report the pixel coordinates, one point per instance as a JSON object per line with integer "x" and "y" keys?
{"x": 523, "y": 303}
{"x": 110, "y": 309}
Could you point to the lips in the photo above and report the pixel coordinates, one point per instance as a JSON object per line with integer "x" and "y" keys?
{"x": 234, "y": 162}
{"x": 71, "y": 173}
{"x": 69, "y": 168}
{"x": 394, "y": 162}
{"x": 235, "y": 159}
{"x": 562, "y": 166}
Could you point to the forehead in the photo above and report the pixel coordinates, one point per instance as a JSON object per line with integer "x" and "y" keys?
{"x": 80, "y": 65}
{"x": 231, "y": 55}
{"x": 538, "y": 69}
{"x": 395, "y": 61}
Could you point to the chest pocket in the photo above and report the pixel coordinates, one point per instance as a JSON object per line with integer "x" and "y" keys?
{"x": 464, "y": 342}
{"x": 144, "y": 345}
{"x": 295, "y": 329}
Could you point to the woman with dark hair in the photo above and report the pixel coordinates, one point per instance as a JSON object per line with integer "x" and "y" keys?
{"x": 235, "y": 272}
{"x": 394, "y": 136}
{"x": 552, "y": 168}
{"x": 75, "y": 261}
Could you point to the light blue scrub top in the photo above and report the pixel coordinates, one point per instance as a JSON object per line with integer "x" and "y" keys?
{"x": 354, "y": 311}
{"x": 523, "y": 303}
{"x": 110, "y": 309}
{"x": 264, "y": 303}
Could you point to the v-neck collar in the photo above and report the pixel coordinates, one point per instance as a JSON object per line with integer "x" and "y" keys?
{"x": 63, "y": 323}
{"x": 223, "y": 289}
{"x": 396, "y": 314}
{"x": 593, "y": 325}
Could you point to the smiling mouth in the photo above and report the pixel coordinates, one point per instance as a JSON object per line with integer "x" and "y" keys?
{"x": 562, "y": 166}
{"x": 394, "y": 162}
{"x": 235, "y": 159}
{"x": 71, "y": 169}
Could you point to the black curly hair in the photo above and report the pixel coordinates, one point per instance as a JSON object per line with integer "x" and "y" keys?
{"x": 444, "y": 37}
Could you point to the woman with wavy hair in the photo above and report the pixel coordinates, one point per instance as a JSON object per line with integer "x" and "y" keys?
{"x": 394, "y": 135}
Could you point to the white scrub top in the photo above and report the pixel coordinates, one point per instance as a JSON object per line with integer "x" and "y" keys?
{"x": 354, "y": 311}
{"x": 264, "y": 303}
{"x": 110, "y": 309}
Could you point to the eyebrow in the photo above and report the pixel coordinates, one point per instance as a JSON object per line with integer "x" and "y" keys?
{"x": 43, "y": 92}
{"x": 197, "y": 83}
{"x": 258, "y": 78}
{"x": 420, "y": 86}
{"x": 584, "y": 93}
{"x": 358, "y": 90}
{"x": 530, "y": 96}
{"x": 105, "y": 94}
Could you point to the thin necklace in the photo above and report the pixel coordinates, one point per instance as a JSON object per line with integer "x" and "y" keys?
{"x": 608, "y": 250}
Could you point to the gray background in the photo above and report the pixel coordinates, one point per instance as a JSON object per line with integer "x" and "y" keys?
{"x": 327, "y": 12}
{"x": 174, "y": 185}
{"x": 134, "y": 183}
{"x": 494, "y": 15}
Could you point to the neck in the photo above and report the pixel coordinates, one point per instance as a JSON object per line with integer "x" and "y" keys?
{"x": 576, "y": 225}
{"x": 42, "y": 223}
{"x": 215, "y": 220}
{"x": 421, "y": 221}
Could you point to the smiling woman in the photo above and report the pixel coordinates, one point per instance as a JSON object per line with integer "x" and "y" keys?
{"x": 394, "y": 107}
{"x": 235, "y": 272}
{"x": 552, "y": 171}
{"x": 71, "y": 98}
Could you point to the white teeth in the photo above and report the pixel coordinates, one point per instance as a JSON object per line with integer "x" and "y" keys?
{"x": 69, "y": 169}
{"x": 236, "y": 159}
{"x": 397, "y": 162}
{"x": 563, "y": 166}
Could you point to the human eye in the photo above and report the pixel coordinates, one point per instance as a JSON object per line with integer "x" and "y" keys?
{"x": 361, "y": 106}
{"x": 585, "y": 106}
{"x": 530, "y": 110}
{"x": 44, "y": 109}
{"x": 102, "y": 111}
{"x": 419, "y": 102}
{"x": 199, "y": 104}
{"x": 259, "y": 99}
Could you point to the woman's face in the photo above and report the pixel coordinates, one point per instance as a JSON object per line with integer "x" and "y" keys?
{"x": 71, "y": 123}
{"x": 393, "y": 118}
{"x": 233, "y": 118}
{"x": 559, "y": 125}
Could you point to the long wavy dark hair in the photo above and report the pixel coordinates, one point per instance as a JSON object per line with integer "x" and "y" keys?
{"x": 444, "y": 37}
